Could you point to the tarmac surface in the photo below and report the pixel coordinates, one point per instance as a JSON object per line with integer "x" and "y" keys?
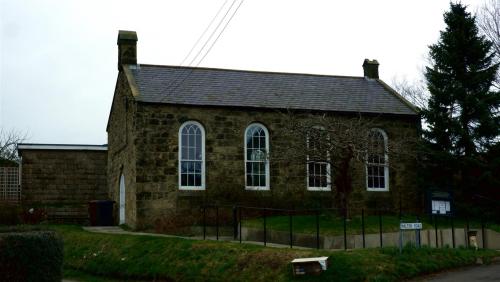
{"x": 469, "y": 274}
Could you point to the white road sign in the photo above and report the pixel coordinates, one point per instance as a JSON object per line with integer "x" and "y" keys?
{"x": 410, "y": 226}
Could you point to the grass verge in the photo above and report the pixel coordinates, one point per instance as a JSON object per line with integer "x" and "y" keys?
{"x": 89, "y": 256}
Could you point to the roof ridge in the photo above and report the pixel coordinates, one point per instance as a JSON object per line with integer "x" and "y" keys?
{"x": 252, "y": 71}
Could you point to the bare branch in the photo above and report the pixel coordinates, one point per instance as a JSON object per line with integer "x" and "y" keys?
{"x": 344, "y": 142}
{"x": 415, "y": 92}
{"x": 488, "y": 21}
{"x": 8, "y": 144}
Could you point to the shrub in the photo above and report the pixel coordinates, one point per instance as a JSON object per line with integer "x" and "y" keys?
{"x": 12, "y": 214}
{"x": 33, "y": 215}
{"x": 22, "y": 228}
{"x": 9, "y": 213}
{"x": 30, "y": 255}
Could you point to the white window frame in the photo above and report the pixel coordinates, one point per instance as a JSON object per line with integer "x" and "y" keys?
{"x": 328, "y": 169}
{"x": 268, "y": 177}
{"x": 179, "y": 169}
{"x": 386, "y": 164}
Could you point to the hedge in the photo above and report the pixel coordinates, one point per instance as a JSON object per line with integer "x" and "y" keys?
{"x": 27, "y": 255}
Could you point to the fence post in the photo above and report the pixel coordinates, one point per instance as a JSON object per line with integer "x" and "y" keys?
{"x": 265, "y": 230}
{"x": 452, "y": 231}
{"x": 235, "y": 223}
{"x": 345, "y": 233}
{"x": 417, "y": 235}
{"x": 363, "y": 226}
{"x": 380, "y": 227}
{"x": 217, "y": 222}
{"x": 400, "y": 237}
{"x": 436, "y": 230}
{"x": 467, "y": 231}
{"x": 204, "y": 222}
{"x": 317, "y": 229}
{"x": 482, "y": 233}
{"x": 291, "y": 228}
{"x": 241, "y": 223}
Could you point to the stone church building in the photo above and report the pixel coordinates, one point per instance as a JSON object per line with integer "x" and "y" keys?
{"x": 179, "y": 137}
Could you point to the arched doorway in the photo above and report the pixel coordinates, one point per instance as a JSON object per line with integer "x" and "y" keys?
{"x": 122, "y": 200}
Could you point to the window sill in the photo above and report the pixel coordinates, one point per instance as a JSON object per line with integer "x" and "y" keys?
{"x": 377, "y": 189}
{"x": 254, "y": 188}
{"x": 316, "y": 189}
{"x": 188, "y": 188}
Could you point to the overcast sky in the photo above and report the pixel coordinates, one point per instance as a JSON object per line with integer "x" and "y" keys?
{"x": 58, "y": 58}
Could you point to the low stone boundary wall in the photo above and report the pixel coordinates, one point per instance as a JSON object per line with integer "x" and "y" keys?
{"x": 427, "y": 237}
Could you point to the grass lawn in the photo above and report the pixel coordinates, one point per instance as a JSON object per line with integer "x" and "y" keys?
{"x": 334, "y": 225}
{"x": 105, "y": 257}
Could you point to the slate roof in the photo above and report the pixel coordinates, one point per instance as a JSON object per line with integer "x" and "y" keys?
{"x": 222, "y": 87}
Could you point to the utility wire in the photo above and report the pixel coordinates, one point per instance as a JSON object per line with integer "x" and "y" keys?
{"x": 211, "y": 46}
{"x": 204, "y": 32}
{"x": 213, "y": 43}
{"x": 180, "y": 74}
{"x": 214, "y": 31}
{"x": 222, "y": 31}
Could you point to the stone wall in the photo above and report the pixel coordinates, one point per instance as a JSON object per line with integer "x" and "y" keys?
{"x": 428, "y": 237}
{"x": 121, "y": 148}
{"x": 63, "y": 181}
{"x": 156, "y": 142}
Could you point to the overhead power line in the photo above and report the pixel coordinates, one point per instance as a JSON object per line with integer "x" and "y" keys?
{"x": 179, "y": 75}
{"x": 214, "y": 31}
{"x": 204, "y": 45}
{"x": 222, "y": 31}
{"x": 204, "y": 32}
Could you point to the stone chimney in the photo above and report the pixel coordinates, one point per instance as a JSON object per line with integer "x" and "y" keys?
{"x": 127, "y": 48}
{"x": 370, "y": 68}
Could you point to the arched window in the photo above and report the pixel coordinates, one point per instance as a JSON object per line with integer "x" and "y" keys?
{"x": 256, "y": 157}
{"x": 377, "y": 163}
{"x": 191, "y": 156}
{"x": 318, "y": 160}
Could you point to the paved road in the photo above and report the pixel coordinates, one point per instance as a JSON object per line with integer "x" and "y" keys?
{"x": 473, "y": 273}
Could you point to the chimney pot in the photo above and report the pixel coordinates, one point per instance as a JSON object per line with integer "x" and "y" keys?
{"x": 370, "y": 68}
{"x": 127, "y": 48}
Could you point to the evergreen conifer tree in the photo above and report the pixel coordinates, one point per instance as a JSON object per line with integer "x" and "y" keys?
{"x": 462, "y": 113}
